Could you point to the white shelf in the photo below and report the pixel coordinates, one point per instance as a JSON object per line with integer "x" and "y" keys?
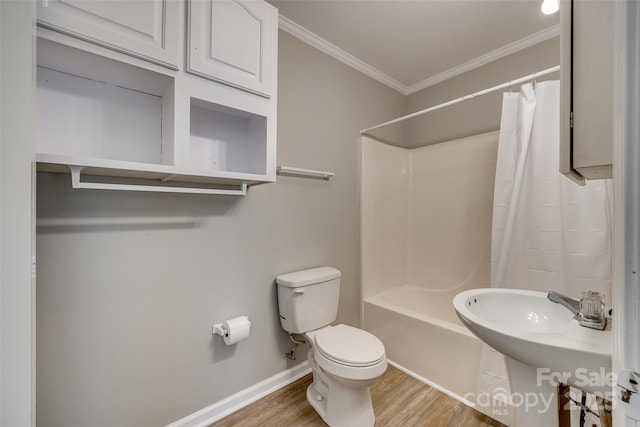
{"x": 82, "y": 116}
{"x": 161, "y": 173}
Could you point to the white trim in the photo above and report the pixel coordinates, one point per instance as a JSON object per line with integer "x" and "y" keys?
{"x": 494, "y": 55}
{"x": 334, "y": 51}
{"x": 431, "y": 384}
{"x": 231, "y": 404}
{"x": 626, "y": 236}
{"x": 619, "y": 262}
{"x": 17, "y": 210}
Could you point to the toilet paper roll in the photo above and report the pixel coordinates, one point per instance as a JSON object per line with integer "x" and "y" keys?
{"x": 236, "y": 329}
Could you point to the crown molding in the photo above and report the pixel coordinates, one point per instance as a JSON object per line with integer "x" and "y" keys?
{"x": 334, "y": 51}
{"x": 494, "y": 55}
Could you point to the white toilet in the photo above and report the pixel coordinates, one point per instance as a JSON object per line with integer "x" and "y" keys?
{"x": 345, "y": 360}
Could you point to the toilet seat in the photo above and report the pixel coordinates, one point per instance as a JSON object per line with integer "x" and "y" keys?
{"x": 349, "y": 346}
{"x": 349, "y": 352}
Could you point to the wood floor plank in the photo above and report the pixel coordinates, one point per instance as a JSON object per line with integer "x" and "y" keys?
{"x": 398, "y": 400}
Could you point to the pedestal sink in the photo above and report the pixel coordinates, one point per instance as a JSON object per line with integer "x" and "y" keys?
{"x": 543, "y": 345}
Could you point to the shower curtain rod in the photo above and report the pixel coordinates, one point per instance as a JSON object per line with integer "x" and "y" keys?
{"x": 464, "y": 98}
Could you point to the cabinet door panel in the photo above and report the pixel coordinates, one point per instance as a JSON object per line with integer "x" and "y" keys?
{"x": 231, "y": 41}
{"x": 586, "y": 89}
{"x": 147, "y": 29}
{"x": 593, "y": 88}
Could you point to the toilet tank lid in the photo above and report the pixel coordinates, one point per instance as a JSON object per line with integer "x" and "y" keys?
{"x": 308, "y": 277}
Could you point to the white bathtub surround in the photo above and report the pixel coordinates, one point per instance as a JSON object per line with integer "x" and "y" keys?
{"x": 424, "y": 304}
{"x": 547, "y": 233}
{"x": 426, "y": 214}
{"x": 430, "y": 383}
{"x": 426, "y": 235}
{"x": 437, "y": 350}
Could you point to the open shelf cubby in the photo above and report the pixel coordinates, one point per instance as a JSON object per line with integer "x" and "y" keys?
{"x": 226, "y": 139}
{"x": 90, "y": 106}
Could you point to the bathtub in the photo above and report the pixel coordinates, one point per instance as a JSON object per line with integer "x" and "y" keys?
{"x": 423, "y": 336}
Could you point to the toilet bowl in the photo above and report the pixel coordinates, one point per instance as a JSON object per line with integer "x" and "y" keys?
{"x": 345, "y": 360}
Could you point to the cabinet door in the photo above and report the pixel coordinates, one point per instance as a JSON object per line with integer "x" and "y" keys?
{"x": 146, "y": 29}
{"x": 587, "y": 89}
{"x": 234, "y": 42}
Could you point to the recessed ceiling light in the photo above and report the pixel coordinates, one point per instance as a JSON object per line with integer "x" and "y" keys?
{"x": 549, "y": 7}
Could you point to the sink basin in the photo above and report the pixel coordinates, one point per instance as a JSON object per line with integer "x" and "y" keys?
{"x": 527, "y": 327}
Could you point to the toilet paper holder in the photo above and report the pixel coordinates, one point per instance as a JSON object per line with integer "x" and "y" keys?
{"x": 233, "y": 330}
{"x": 218, "y": 329}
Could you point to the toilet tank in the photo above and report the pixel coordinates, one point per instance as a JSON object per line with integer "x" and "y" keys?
{"x": 308, "y": 299}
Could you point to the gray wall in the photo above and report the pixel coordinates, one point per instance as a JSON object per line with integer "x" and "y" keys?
{"x": 129, "y": 284}
{"x": 481, "y": 114}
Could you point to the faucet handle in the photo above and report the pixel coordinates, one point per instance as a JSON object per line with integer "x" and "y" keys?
{"x": 592, "y": 309}
{"x": 592, "y": 304}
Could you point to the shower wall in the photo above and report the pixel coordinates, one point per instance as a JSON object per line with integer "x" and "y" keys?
{"x": 450, "y": 207}
{"x": 426, "y": 214}
{"x": 384, "y": 198}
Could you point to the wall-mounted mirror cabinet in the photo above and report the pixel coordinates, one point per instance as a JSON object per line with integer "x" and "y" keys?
{"x": 586, "y": 102}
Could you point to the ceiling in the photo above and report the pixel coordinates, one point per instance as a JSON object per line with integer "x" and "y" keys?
{"x": 413, "y": 44}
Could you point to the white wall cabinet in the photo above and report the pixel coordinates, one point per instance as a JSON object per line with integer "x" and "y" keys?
{"x": 232, "y": 41}
{"x": 148, "y": 29}
{"x": 114, "y": 120}
{"x": 586, "y": 130}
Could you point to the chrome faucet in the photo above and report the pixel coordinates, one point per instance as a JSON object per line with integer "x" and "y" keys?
{"x": 589, "y": 310}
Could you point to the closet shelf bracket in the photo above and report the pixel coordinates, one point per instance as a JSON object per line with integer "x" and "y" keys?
{"x": 77, "y": 183}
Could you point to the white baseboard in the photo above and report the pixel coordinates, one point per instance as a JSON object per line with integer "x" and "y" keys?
{"x": 221, "y": 409}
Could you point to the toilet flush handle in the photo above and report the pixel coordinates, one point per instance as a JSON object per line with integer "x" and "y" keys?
{"x": 298, "y": 291}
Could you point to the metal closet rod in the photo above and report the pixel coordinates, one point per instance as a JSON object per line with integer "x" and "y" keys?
{"x": 464, "y": 98}
{"x": 306, "y": 173}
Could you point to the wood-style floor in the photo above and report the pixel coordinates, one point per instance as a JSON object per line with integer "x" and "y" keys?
{"x": 398, "y": 400}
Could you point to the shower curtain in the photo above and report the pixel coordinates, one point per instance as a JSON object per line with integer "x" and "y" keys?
{"x": 548, "y": 233}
